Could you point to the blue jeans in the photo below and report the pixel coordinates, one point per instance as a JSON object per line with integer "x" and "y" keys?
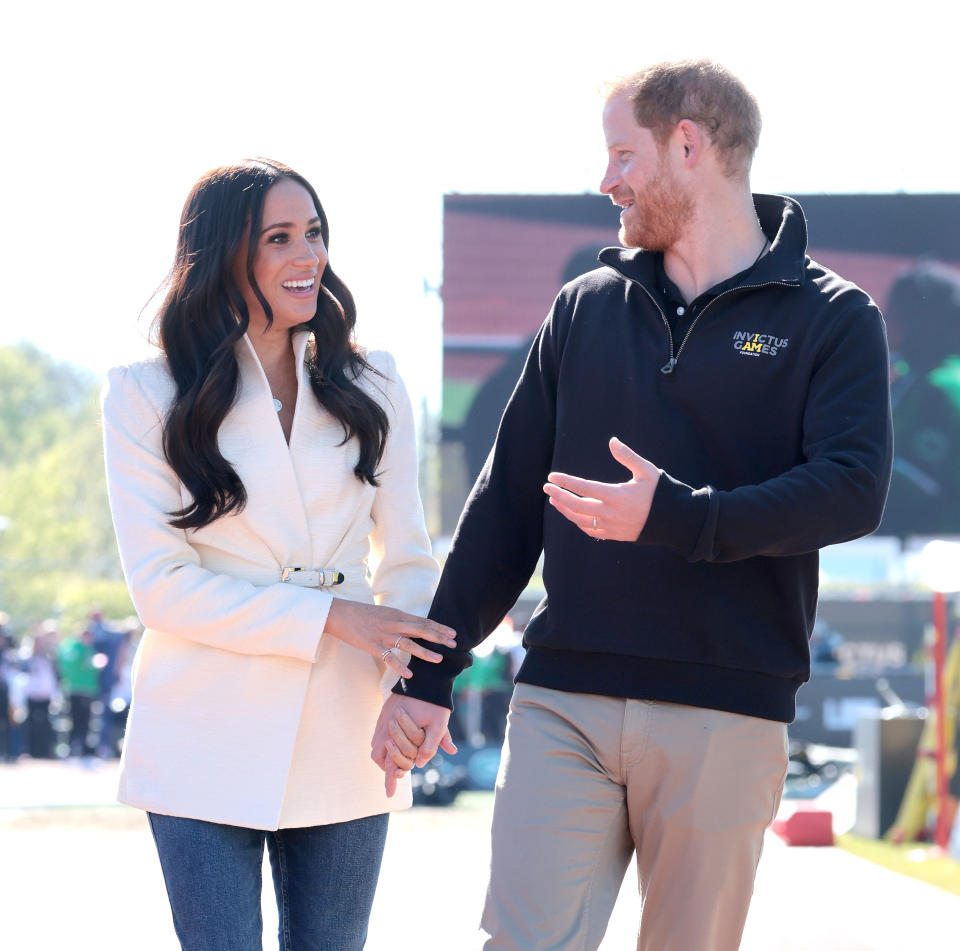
{"x": 324, "y": 878}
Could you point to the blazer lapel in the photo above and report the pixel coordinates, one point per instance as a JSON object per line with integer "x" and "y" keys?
{"x": 252, "y": 440}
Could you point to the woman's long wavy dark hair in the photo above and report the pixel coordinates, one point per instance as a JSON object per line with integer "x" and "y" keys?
{"x": 203, "y": 316}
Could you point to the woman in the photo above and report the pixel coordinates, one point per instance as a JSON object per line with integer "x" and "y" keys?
{"x": 42, "y": 689}
{"x": 262, "y": 478}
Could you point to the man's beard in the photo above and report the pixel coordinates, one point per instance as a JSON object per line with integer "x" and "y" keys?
{"x": 660, "y": 216}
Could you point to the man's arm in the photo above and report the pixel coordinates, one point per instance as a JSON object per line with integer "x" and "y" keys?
{"x": 835, "y": 494}
{"x": 500, "y": 533}
{"x": 494, "y": 551}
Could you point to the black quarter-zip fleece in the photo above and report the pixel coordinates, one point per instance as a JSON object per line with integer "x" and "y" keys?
{"x": 771, "y": 425}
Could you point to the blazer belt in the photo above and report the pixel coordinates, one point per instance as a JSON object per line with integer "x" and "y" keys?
{"x": 314, "y": 577}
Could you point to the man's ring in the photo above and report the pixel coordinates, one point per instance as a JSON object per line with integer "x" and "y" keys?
{"x": 389, "y": 650}
{"x": 594, "y": 522}
{"x": 397, "y": 645}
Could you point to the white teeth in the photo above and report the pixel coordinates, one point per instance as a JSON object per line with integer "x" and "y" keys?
{"x": 306, "y": 283}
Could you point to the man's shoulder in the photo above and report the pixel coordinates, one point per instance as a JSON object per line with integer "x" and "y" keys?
{"x": 597, "y": 283}
{"x": 834, "y": 291}
{"x": 600, "y": 277}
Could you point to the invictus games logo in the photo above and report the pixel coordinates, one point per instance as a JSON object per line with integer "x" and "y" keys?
{"x": 756, "y": 345}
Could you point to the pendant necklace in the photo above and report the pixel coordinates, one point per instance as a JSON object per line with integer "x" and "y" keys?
{"x": 277, "y": 405}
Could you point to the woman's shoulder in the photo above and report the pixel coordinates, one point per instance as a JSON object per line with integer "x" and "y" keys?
{"x": 379, "y": 379}
{"x": 383, "y": 362}
{"x": 377, "y": 374}
{"x": 151, "y": 369}
{"x": 149, "y": 379}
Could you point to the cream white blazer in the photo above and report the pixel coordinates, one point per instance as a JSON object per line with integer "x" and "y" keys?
{"x": 243, "y": 711}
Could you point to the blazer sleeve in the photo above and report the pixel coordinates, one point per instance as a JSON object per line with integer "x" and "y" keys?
{"x": 403, "y": 572}
{"x": 171, "y": 591}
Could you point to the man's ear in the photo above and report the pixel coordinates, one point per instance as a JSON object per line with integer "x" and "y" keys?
{"x": 690, "y": 142}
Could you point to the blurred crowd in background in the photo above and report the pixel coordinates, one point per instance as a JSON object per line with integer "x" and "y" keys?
{"x": 66, "y": 694}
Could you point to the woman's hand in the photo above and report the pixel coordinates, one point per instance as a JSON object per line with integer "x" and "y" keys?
{"x": 384, "y": 632}
{"x": 398, "y": 741}
{"x": 403, "y": 741}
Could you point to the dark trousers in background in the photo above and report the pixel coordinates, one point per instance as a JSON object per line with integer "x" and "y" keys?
{"x": 4, "y": 720}
{"x": 39, "y": 729}
{"x": 114, "y": 727}
{"x": 80, "y": 744}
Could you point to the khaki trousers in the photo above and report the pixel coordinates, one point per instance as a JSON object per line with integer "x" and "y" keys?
{"x": 587, "y": 780}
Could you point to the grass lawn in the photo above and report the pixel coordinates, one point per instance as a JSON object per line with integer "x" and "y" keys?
{"x": 916, "y": 859}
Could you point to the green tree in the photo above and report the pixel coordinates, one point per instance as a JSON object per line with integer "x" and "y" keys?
{"x": 57, "y": 550}
{"x": 40, "y": 400}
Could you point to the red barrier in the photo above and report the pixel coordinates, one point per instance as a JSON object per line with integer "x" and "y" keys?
{"x": 806, "y": 827}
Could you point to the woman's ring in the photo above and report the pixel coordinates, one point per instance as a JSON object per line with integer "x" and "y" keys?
{"x": 594, "y": 522}
{"x": 397, "y": 645}
{"x": 389, "y": 650}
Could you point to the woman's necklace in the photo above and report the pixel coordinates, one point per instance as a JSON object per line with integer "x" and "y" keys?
{"x": 277, "y": 404}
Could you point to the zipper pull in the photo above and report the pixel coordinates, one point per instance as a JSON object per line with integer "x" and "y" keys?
{"x": 667, "y": 368}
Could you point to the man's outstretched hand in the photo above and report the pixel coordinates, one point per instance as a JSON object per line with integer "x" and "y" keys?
{"x": 407, "y": 734}
{"x": 604, "y": 510}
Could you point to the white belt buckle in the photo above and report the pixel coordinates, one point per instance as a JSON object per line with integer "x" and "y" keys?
{"x": 311, "y": 577}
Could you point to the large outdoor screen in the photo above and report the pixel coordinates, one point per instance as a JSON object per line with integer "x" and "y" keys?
{"x": 505, "y": 257}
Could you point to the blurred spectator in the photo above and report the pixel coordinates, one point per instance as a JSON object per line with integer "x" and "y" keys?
{"x": 6, "y": 712}
{"x": 13, "y": 671}
{"x": 118, "y": 703}
{"x": 483, "y": 690}
{"x": 80, "y": 682}
{"x": 41, "y": 688}
{"x": 107, "y": 641}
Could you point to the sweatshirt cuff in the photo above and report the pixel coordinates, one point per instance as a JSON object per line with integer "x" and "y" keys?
{"x": 680, "y": 518}
{"x": 433, "y": 682}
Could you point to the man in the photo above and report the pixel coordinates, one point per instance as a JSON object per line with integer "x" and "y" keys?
{"x": 746, "y": 390}
{"x": 80, "y": 681}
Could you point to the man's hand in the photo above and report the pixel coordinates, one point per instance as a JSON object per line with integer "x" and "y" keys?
{"x": 616, "y": 512}
{"x": 407, "y": 734}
